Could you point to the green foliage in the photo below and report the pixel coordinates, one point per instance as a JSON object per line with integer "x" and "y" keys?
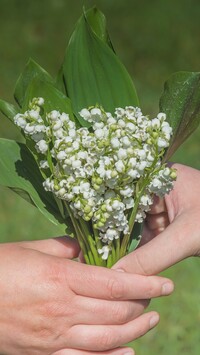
{"x": 31, "y": 71}
{"x": 54, "y": 99}
{"x": 20, "y": 173}
{"x": 94, "y": 78}
{"x": 181, "y": 102}
{"x": 93, "y": 73}
{"x": 97, "y": 22}
{"x": 8, "y": 110}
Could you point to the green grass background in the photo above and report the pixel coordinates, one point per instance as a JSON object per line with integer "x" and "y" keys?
{"x": 153, "y": 39}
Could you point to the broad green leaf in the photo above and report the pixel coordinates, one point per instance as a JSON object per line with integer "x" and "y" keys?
{"x": 97, "y": 23}
{"x": 31, "y": 70}
{"x": 94, "y": 74}
{"x": 20, "y": 173}
{"x": 8, "y": 110}
{"x": 181, "y": 103}
{"x": 54, "y": 99}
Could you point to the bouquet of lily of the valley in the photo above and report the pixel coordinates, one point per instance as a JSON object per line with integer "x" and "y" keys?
{"x": 92, "y": 161}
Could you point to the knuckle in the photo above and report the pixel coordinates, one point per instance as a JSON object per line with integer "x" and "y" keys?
{"x": 56, "y": 272}
{"x": 115, "y": 288}
{"x": 107, "y": 339}
{"x": 122, "y": 314}
{"x": 51, "y": 310}
{"x": 96, "y": 308}
{"x": 43, "y": 332}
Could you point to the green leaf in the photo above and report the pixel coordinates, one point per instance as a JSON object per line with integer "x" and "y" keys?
{"x": 92, "y": 71}
{"x": 54, "y": 99}
{"x": 181, "y": 103}
{"x": 8, "y": 110}
{"x": 20, "y": 173}
{"x": 31, "y": 70}
{"x": 60, "y": 83}
{"x": 97, "y": 23}
{"x": 135, "y": 237}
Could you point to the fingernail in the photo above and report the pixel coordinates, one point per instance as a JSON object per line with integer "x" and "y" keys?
{"x": 167, "y": 288}
{"x": 154, "y": 320}
{"x": 129, "y": 353}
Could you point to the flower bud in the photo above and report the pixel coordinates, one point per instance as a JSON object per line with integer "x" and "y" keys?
{"x": 87, "y": 209}
{"x": 173, "y": 175}
{"x": 114, "y": 173}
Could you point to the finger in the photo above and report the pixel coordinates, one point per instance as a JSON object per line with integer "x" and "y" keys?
{"x": 157, "y": 221}
{"x": 101, "y": 337}
{"x": 98, "y": 282}
{"x": 64, "y": 247}
{"x": 154, "y": 224}
{"x": 158, "y": 206}
{"x": 147, "y": 235}
{"x": 101, "y": 312}
{"x": 119, "y": 351}
{"x": 81, "y": 257}
{"x": 168, "y": 248}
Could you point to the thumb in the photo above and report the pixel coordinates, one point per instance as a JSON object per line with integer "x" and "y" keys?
{"x": 63, "y": 247}
{"x": 168, "y": 248}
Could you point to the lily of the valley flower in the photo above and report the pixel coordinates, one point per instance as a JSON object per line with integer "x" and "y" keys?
{"x": 105, "y": 173}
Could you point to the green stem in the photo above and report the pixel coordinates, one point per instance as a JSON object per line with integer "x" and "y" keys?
{"x": 60, "y": 206}
{"x": 117, "y": 243}
{"x": 111, "y": 257}
{"x": 97, "y": 239}
{"x": 85, "y": 238}
{"x": 88, "y": 250}
{"x": 139, "y": 193}
{"x": 88, "y": 258}
{"x": 91, "y": 242}
{"x": 126, "y": 238}
{"x": 113, "y": 252}
{"x": 110, "y": 262}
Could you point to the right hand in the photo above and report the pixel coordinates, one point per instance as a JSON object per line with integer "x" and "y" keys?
{"x": 172, "y": 228}
{"x": 52, "y": 305}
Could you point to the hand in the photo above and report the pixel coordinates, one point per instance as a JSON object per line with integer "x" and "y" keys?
{"x": 51, "y": 305}
{"x": 172, "y": 229}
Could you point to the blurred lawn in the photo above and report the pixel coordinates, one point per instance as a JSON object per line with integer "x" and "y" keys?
{"x": 153, "y": 39}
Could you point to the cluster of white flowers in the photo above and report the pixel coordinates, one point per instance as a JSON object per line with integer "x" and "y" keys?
{"x": 103, "y": 170}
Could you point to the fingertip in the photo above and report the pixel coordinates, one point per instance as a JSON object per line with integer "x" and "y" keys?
{"x": 129, "y": 352}
{"x": 167, "y": 288}
{"x": 154, "y": 320}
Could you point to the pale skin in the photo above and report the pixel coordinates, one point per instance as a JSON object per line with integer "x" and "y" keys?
{"x": 53, "y": 305}
{"x": 172, "y": 229}
{"x": 36, "y": 324}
